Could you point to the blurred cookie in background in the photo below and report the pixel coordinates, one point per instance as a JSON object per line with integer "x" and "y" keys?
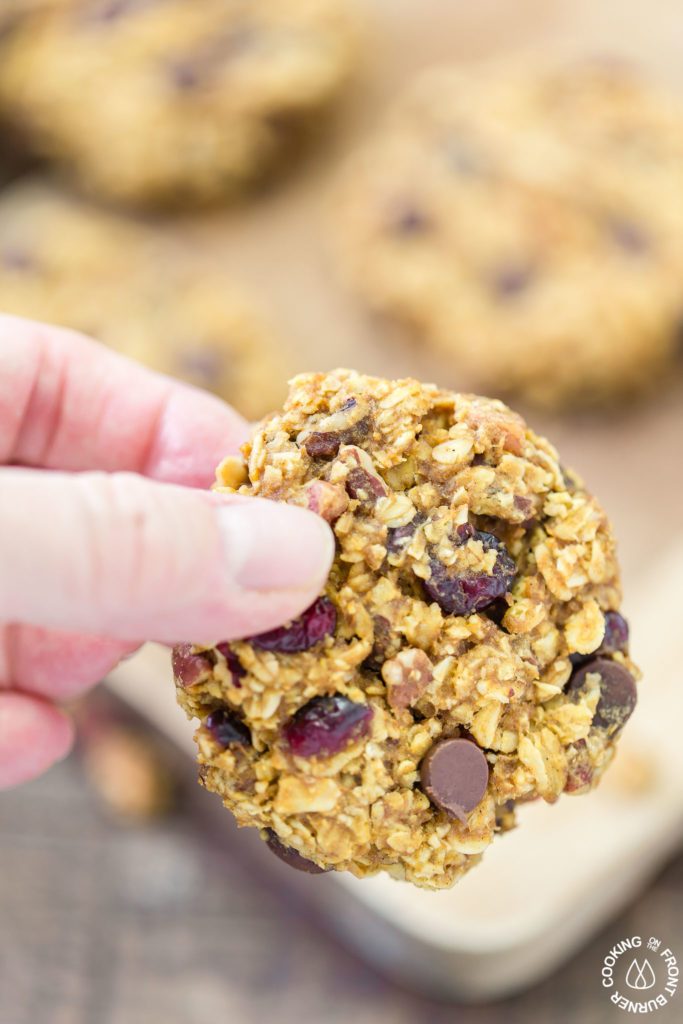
{"x": 65, "y": 262}
{"x": 173, "y": 102}
{"x": 126, "y": 764}
{"x": 529, "y": 224}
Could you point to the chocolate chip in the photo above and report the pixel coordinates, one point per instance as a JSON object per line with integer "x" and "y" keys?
{"x": 454, "y": 775}
{"x": 615, "y": 639}
{"x": 291, "y": 856}
{"x": 408, "y": 220}
{"x": 508, "y": 282}
{"x": 111, "y": 10}
{"x": 618, "y": 694}
{"x": 629, "y": 236}
{"x": 198, "y": 68}
{"x": 16, "y": 259}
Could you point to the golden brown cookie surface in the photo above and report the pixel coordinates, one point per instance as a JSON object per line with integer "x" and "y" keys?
{"x": 173, "y": 101}
{"x": 529, "y": 224}
{"x": 65, "y": 262}
{"x": 467, "y": 653}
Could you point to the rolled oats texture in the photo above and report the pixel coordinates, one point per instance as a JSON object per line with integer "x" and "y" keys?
{"x": 438, "y": 501}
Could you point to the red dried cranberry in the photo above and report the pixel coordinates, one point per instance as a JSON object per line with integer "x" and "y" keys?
{"x": 235, "y": 667}
{"x": 365, "y": 487}
{"x": 325, "y": 444}
{"x": 400, "y": 537}
{"x": 227, "y": 729}
{"x": 462, "y": 595}
{"x": 326, "y": 725}
{"x": 188, "y": 667}
{"x": 318, "y": 621}
{"x": 616, "y": 634}
{"x": 322, "y": 446}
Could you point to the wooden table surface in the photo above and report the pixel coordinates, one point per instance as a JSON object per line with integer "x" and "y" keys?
{"x": 101, "y": 924}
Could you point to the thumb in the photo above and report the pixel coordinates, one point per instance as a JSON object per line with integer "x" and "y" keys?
{"x": 122, "y": 556}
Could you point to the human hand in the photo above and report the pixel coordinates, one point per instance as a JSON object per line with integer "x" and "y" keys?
{"x": 105, "y": 538}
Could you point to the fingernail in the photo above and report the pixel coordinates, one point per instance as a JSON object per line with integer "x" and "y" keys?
{"x": 271, "y": 546}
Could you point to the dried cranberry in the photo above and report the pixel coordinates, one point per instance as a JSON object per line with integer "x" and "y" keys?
{"x": 322, "y": 446}
{"x": 408, "y": 219}
{"x": 616, "y": 634}
{"x": 580, "y": 774}
{"x": 234, "y": 664}
{"x": 326, "y": 725}
{"x": 227, "y": 729}
{"x": 317, "y": 621}
{"x": 462, "y": 595}
{"x": 629, "y": 236}
{"x": 382, "y": 645}
{"x": 364, "y": 486}
{"x": 189, "y": 667}
{"x": 509, "y": 282}
{"x": 399, "y": 537}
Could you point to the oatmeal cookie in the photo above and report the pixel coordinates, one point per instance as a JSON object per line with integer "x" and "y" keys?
{"x": 166, "y": 102}
{"x": 467, "y": 654}
{"x": 528, "y": 224}
{"x": 65, "y": 262}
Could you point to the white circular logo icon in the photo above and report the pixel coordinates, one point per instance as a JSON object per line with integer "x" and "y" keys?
{"x": 641, "y": 976}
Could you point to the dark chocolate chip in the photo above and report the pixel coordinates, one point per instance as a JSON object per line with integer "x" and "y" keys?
{"x": 291, "y": 856}
{"x": 618, "y": 693}
{"x": 509, "y": 282}
{"x": 111, "y": 10}
{"x": 16, "y": 259}
{"x": 409, "y": 220}
{"x": 454, "y": 775}
{"x": 615, "y": 639}
{"x": 198, "y": 68}
{"x": 629, "y": 236}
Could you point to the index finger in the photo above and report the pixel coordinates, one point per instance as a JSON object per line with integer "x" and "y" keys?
{"x": 68, "y": 403}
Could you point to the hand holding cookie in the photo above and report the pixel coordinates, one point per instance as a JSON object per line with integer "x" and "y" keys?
{"x": 107, "y": 540}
